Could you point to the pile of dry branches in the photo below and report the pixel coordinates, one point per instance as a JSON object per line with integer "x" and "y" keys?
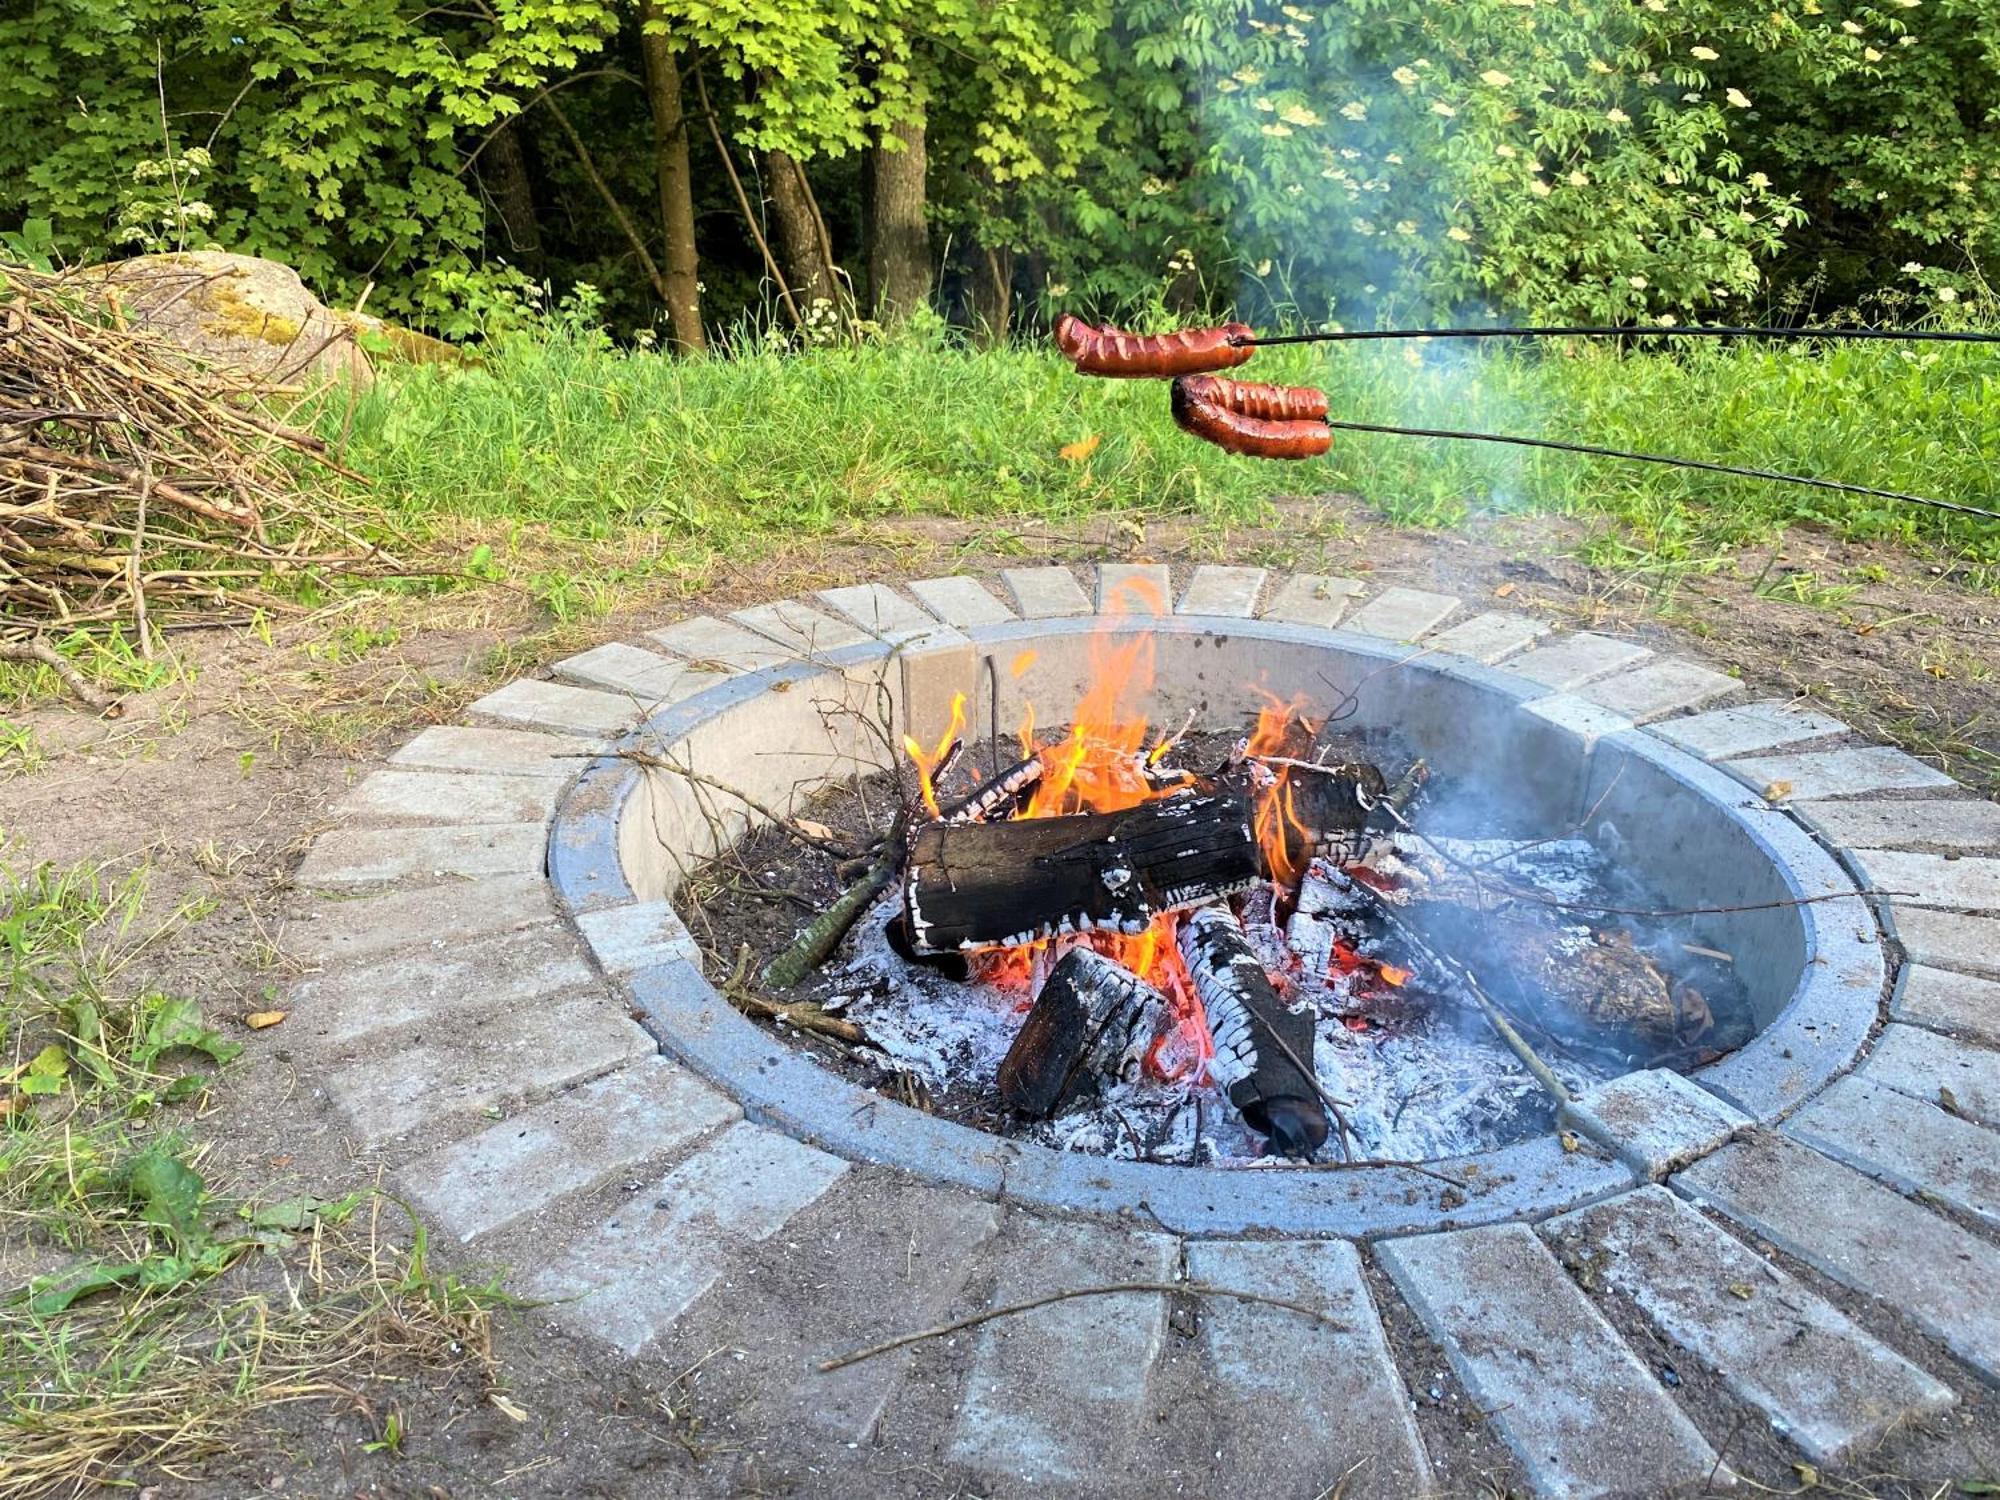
{"x": 140, "y": 493}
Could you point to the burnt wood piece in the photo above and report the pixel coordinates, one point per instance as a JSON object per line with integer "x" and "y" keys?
{"x": 1092, "y": 1017}
{"x": 997, "y": 798}
{"x": 987, "y": 885}
{"x": 1263, "y": 1050}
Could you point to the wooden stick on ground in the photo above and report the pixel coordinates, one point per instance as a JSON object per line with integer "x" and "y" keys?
{"x": 41, "y": 653}
{"x": 812, "y": 946}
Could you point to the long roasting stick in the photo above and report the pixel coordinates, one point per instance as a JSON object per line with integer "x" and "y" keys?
{"x": 1615, "y": 330}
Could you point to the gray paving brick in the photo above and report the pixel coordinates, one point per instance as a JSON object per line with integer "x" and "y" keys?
{"x": 1852, "y": 771}
{"x": 1268, "y": 1378}
{"x": 628, "y": 1280}
{"x": 633, "y": 673}
{"x": 375, "y": 856}
{"x": 1489, "y": 637}
{"x": 1948, "y": 940}
{"x": 1920, "y": 1063}
{"x": 1769, "y": 724}
{"x": 799, "y": 628}
{"x": 885, "y": 614}
{"x": 1966, "y": 824}
{"x": 1045, "y": 593}
{"x": 454, "y": 1076}
{"x": 496, "y": 752}
{"x": 1863, "y": 1235}
{"x": 1135, "y": 588}
{"x": 1962, "y": 883}
{"x": 1958, "y": 1004}
{"x": 637, "y": 936}
{"x": 568, "y": 1143}
{"x": 1659, "y": 1119}
{"x": 1057, "y": 1396}
{"x": 1581, "y": 1413}
{"x": 327, "y": 930}
{"x": 559, "y": 706}
{"x": 1229, "y": 592}
{"x": 1914, "y": 1145}
{"x": 1822, "y": 1381}
{"x": 426, "y": 988}
{"x": 1660, "y": 687}
{"x": 1402, "y": 614}
{"x": 1570, "y": 661}
{"x": 718, "y": 645}
{"x": 1313, "y": 599}
{"x": 964, "y": 602}
{"x": 1589, "y": 722}
{"x": 412, "y": 796}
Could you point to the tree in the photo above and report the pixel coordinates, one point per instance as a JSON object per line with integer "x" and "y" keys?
{"x": 680, "y": 270}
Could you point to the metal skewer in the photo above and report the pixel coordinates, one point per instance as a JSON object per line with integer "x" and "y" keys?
{"x": 1616, "y": 330}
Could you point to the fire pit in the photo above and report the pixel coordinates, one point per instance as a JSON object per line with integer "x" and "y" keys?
{"x": 1270, "y": 904}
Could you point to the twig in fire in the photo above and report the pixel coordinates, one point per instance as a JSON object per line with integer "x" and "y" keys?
{"x": 821, "y": 936}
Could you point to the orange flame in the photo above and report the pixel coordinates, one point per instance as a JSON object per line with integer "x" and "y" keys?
{"x": 926, "y": 761}
{"x": 1281, "y": 727}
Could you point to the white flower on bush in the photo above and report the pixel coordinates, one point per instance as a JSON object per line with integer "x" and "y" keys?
{"x": 1577, "y": 179}
{"x": 1637, "y": 283}
{"x": 1493, "y": 78}
{"x": 1869, "y": 54}
{"x": 1265, "y": 103}
{"x": 1460, "y": 235}
{"x": 1706, "y": 54}
{"x": 1442, "y": 108}
{"x": 1911, "y": 267}
{"x": 1539, "y": 188}
{"x": 1947, "y": 294}
{"x": 1277, "y": 130}
{"x": 1617, "y": 116}
{"x": 1852, "y": 28}
{"x": 1505, "y": 150}
{"x": 1758, "y": 180}
{"x": 1406, "y": 226}
{"x": 1354, "y": 109}
{"x": 1407, "y": 77}
{"x": 1738, "y": 98}
{"x": 1906, "y": 41}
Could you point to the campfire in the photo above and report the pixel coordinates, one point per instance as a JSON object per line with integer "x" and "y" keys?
{"x": 1203, "y": 947}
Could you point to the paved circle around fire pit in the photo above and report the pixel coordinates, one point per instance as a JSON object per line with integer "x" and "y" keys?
{"x": 507, "y": 1006}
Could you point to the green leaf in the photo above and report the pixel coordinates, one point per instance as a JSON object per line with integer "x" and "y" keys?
{"x": 86, "y": 1030}
{"x": 47, "y": 1295}
{"x": 299, "y": 1213}
{"x": 176, "y": 1022}
{"x": 47, "y": 1072}
{"x": 168, "y": 1193}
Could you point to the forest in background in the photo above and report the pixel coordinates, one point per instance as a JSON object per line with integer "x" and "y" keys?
{"x": 712, "y": 165}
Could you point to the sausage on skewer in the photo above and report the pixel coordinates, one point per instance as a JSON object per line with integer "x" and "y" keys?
{"x": 1201, "y": 409}
{"x": 1159, "y": 356}
{"x": 1249, "y": 398}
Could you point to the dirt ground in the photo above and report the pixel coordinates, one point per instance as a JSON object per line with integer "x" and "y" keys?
{"x": 219, "y": 781}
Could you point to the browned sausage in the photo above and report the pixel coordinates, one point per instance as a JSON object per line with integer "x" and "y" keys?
{"x": 1247, "y": 398}
{"x": 1112, "y": 351}
{"x": 1257, "y": 437}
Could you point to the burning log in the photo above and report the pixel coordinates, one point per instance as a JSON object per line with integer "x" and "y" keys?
{"x": 1263, "y": 1050}
{"x": 983, "y": 885}
{"x": 997, "y": 798}
{"x": 1092, "y": 1017}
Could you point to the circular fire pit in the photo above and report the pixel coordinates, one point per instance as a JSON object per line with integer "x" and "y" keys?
{"x": 1533, "y": 762}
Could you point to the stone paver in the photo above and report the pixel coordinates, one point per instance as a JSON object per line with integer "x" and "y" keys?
{"x": 961, "y": 601}
{"x": 1965, "y": 823}
{"x": 1581, "y": 1413}
{"x": 559, "y": 706}
{"x": 1300, "y": 1408}
{"x": 1959, "y": 1005}
{"x": 1659, "y": 1119}
{"x": 1822, "y": 1381}
{"x": 1950, "y": 940}
{"x": 1964, "y": 883}
{"x": 719, "y": 645}
{"x": 1589, "y": 722}
{"x": 1863, "y": 1235}
{"x": 1046, "y": 593}
{"x": 1570, "y": 661}
{"x": 1769, "y": 724}
{"x": 1313, "y": 599}
{"x": 1914, "y": 1145}
{"x": 1920, "y": 1063}
{"x": 376, "y": 856}
{"x": 1229, "y": 592}
{"x": 418, "y": 991}
{"x": 1849, "y": 772}
{"x": 332, "y": 930}
{"x": 398, "y": 796}
{"x": 628, "y": 1280}
{"x": 566, "y": 1144}
{"x": 634, "y": 673}
{"x": 883, "y": 613}
{"x": 1135, "y": 588}
{"x": 799, "y": 628}
{"x": 1402, "y": 614}
{"x": 1057, "y": 1396}
{"x": 1659, "y": 688}
{"x": 457, "y": 1074}
{"x": 631, "y": 937}
{"x": 496, "y": 752}
{"x": 1489, "y": 637}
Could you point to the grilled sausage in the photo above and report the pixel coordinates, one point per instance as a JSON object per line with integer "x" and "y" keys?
{"x": 1256, "y": 437}
{"x": 1276, "y": 403}
{"x": 1138, "y": 356}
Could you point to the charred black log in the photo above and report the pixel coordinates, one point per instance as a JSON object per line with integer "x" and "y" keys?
{"x": 998, "y": 797}
{"x": 1263, "y": 1052}
{"x": 984, "y": 885}
{"x": 1093, "y": 1017}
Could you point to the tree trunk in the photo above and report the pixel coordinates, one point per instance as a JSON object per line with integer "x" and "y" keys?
{"x": 899, "y": 247}
{"x": 992, "y": 293}
{"x": 798, "y": 236}
{"x": 503, "y": 167}
{"x": 670, "y": 147}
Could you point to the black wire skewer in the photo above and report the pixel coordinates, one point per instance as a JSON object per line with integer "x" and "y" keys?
{"x": 1615, "y": 330}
